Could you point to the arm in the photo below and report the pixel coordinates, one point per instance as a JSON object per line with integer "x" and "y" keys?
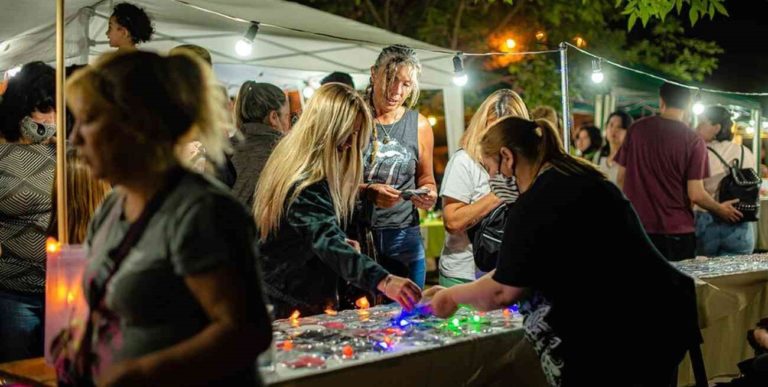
{"x": 312, "y": 215}
{"x": 459, "y": 216}
{"x": 620, "y": 177}
{"x": 425, "y": 175}
{"x": 232, "y": 340}
{"x": 484, "y": 294}
{"x": 700, "y": 197}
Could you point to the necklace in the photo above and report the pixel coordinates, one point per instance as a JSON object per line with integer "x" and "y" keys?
{"x": 387, "y": 137}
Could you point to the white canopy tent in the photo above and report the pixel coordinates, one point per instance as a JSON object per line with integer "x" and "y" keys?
{"x": 281, "y": 55}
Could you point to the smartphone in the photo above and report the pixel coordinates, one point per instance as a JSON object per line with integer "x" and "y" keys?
{"x": 407, "y": 194}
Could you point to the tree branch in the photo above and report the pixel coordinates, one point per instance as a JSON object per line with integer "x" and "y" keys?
{"x": 516, "y": 7}
{"x": 374, "y": 13}
{"x": 457, "y": 25}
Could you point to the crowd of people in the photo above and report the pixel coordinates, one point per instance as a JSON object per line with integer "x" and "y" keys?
{"x": 203, "y": 233}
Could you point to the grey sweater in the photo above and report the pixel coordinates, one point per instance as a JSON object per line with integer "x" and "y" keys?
{"x": 249, "y": 158}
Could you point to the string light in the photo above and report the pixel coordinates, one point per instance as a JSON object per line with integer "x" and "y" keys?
{"x": 460, "y": 78}
{"x": 698, "y": 107}
{"x": 540, "y": 35}
{"x": 308, "y": 92}
{"x": 13, "y": 71}
{"x": 511, "y": 43}
{"x": 597, "y": 71}
{"x": 432, "y": 120}
{"x": 244, "y": 46}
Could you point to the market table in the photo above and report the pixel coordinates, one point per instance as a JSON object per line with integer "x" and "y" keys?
{"x": 381, "y": 346}
{"x": 732, "y": 295}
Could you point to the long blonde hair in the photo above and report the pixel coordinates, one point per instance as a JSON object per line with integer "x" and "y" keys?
{"x": 502, "y": 103}
{"x": 156, "y": 105}
{"x": 536, "y": 141}
{"x": 310, "y": 153}
{"x": 84, "y": 194}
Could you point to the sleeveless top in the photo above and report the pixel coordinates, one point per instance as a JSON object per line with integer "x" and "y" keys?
{"x": 394, "y": 164}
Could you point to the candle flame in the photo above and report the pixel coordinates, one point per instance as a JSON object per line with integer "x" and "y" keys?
{"x": 362, "y": 303}
{"x": 330, "y": 312}
{"x": 52, "y": 245}
{"x": 295, "y": 315}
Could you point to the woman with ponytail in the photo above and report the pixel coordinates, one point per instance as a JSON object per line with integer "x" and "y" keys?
{"x": 172, "y": 284}
{"x": 573, "y": 333}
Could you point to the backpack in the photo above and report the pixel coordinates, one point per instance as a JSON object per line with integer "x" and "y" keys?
{"x": 740, "y": 183}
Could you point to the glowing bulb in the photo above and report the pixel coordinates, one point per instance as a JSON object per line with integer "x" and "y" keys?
{"x": 511, "y": 43}
{"x": 598, "y": 76}
{"x": 362, "y": 303}
{"x": 456, "y": 322}
{"x": 403, "y": 323}
{"x": 52, "y": 245}
{"x": 460, "y": 79}
{"x": 698, "y": 108}
{"x": 243, "y": 47}
{"x": 432, "y": 120}
{"x": 540, "y": 35}
{"x": 13, "y": 71}
{"x": 308, "y": 92}
{"x": 476, "y": 318}
{"x": 580, "y": 42}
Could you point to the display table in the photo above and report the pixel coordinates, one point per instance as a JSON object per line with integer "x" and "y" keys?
{"x": 732, "y": 295}
{"x": 383, "y": 347}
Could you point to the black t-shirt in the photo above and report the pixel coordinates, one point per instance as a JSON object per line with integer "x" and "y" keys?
{"x": 615, "y": 301}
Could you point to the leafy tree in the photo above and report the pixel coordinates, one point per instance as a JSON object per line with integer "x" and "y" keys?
{"x": 657, "y": 43}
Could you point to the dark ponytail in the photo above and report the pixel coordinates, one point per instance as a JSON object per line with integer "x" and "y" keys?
{"x": 538, "y": 142}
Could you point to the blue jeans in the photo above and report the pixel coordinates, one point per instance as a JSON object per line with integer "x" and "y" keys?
{"x": 21, "y": 325}
{"x": 401, "y": 252}
{"x": 715, "y": 238}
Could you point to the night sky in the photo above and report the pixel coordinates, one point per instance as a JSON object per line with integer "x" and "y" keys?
{"x": 743, "y": 36}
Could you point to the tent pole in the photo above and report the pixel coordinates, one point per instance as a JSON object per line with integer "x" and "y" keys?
{"x": 564, "y": 89}
{"x": 61, "y": 130}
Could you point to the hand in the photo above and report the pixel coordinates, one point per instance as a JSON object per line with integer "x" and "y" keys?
{"x": 426, "y": 201}
{"x": 761, "y": 337}
{"x": 442, "y": 303}
{"x": 125, "y": 373}
{"x": 383, "y": 195}
{"x": 400, "y": 289}
{"x": 429, "y": 293}
{"x": 729, "y": 212}
{"x": 355, "y": 244}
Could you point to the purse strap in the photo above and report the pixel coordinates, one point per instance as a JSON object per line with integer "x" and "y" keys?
{"x": 739, "y": 161}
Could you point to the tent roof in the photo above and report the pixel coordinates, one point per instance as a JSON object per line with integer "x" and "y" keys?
{"x": 27, "y": 33}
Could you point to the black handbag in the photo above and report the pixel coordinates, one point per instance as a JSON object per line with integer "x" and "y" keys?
{"x": 742, "y": 184}
{"x": 486, "y": 238}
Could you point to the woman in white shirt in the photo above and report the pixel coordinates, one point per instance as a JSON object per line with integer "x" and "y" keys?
{"x": 715, "y": 237}
{"x": 466, "y": 191}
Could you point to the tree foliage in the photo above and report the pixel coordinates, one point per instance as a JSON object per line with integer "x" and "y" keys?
{"x": 658, "y": 43}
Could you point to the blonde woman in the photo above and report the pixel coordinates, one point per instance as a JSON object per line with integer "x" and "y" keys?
{"x": 563, "y": 202}
{"x": 399, "y": 159}
{"x": 172, "y": 284}
{"x": 305, "y": 194}
{"x": 466, "y": 191}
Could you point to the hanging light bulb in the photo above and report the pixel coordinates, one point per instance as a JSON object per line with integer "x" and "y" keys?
{"x": 540, "y": 35}
{"x": 244, "y": 46}
{"x": 511, "y": 43}
{"x": 460, "y": 78}
{"x": 597, "y": 71}
{"x": 308, "y": 92}
{"x": 580, "y": 42}
{"x": 13, "y": 71}
{"x": 698, "y": 107}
